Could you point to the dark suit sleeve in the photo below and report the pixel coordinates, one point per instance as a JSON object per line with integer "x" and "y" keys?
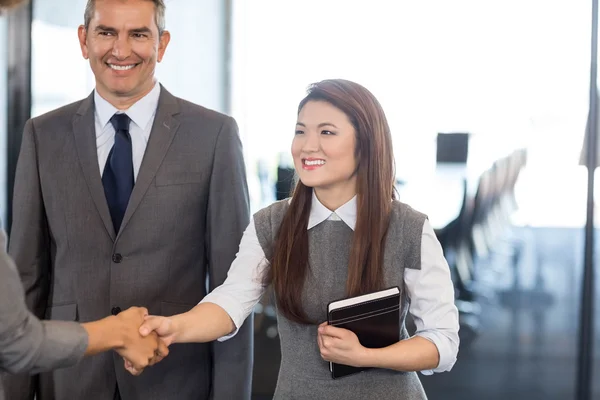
{"x": 228, "y": 216}
{"x": 29, "y": 245}
{"x": 26, "y": 343}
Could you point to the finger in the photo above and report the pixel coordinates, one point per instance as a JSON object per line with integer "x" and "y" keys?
{"x": 141, "y": 362}
{"x": 134, "y": 366}
{"x": 130, "y": 368}
{"x": 320, "y": 341}
{"x": 156, "y": 360}
{"x": 135, "y": 372}
{"x": 330, "y": 342}
{"x": 163, "y": 350}
{"x": 156, "y": 357}
{"x": 139, "y": 367}
{"x": 150, "y": 324}
{"x": 159, "y": 355}
{"x": 324, "y": 353}
{"x": 324, "y": 324}
{"x": 333, "y": 331}
{"x": 144, "y": 311}
{"x": 323, "y": 350}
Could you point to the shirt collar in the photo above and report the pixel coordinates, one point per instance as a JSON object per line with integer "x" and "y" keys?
{"x": 320, "y": 213}
{"x": 140, "y": 113}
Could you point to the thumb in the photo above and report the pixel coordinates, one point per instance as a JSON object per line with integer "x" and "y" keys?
{"x": 150, "y": 324}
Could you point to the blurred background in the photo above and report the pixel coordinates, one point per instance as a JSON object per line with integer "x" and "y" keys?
{"x": 488, "y": 104}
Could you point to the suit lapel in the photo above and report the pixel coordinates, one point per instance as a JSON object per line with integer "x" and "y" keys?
{"x": 85, "y": 141}
{"x": 163, "y": 130}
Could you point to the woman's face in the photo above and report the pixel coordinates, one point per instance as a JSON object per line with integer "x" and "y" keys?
{"x": 324, "y": 149}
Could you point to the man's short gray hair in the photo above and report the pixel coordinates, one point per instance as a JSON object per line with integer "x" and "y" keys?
{"x": 159, "y": 14}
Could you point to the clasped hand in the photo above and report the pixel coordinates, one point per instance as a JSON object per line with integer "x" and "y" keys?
{"x": 139, "y": 351}
{"x": 153, "y": 330}
{"x": 340, "y": 346}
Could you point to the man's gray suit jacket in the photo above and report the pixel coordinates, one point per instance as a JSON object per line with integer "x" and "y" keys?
{"x": 182, "y": 227}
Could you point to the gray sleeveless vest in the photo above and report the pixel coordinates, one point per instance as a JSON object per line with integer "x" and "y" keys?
{"x": 303, "y": 374}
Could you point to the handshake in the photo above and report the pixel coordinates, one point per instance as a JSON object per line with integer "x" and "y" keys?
{"x": 141, "y": 340}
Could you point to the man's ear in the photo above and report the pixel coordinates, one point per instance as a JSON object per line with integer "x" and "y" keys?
{"x": 82, "y": 34}
{"x": 163, "y": 42}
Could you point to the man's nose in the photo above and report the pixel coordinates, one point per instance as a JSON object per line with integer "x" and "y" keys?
{"x": 121, "y": 48}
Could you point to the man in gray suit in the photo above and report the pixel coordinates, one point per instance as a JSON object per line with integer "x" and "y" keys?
{"x": 130, "y": 197}
{"x": 29, "y": 345}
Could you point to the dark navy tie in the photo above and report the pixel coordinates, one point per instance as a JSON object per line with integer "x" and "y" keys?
{"x": 118, "y": 172}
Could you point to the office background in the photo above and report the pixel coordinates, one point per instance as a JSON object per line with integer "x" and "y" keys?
{"x": 513, "y": 75}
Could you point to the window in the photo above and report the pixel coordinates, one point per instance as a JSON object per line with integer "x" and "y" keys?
{"x": 512, "y": 74}
{"x": 193, "y": 66}
{"x": 59, "y": 74}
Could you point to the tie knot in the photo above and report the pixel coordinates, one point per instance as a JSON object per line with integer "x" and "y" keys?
{"x": 120, "y": 122}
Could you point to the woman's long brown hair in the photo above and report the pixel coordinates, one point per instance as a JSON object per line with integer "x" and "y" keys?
{"x": 375, "y": 191}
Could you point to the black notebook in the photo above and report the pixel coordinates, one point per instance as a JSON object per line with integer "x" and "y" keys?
{"x": 373, "y": 317}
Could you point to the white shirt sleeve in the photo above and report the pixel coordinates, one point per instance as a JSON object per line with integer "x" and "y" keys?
{"x": 244, "y": 286}
{"x": 432, "y": 300}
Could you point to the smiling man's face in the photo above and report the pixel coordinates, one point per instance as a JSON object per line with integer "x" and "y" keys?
{"x": 123, "y": 45}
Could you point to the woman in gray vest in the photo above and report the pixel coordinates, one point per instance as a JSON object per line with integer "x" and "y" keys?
{"x": 342, "y": 233}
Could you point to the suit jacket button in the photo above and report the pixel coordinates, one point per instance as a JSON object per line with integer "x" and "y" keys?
{"x": 117, "y": 258}
{"x": 115, "y": 310}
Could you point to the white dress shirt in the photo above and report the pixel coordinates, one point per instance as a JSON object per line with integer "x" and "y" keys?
{"x": 430, "y": 288}
{"x": 142, "y": 117}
